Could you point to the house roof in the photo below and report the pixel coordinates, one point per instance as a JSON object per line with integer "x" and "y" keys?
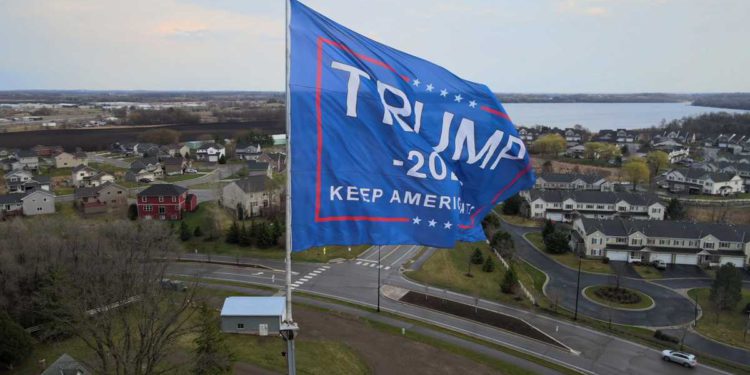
{"x": 209, "y": 145}
{"x": 160, "y": 190}
{"x": 701, "y": 174}
{"x": 10, "y": 198}
{"x": 93, "y": 191}
{"x": 592, "y": 196}
{"x": 253, "y": 184}
{"x": 668, "y": 229}
{"x": 82, "y": 167}
{"x": 25, "y": 153}
{"x": 570, "y": 177}
{"x": 172, "y": 161}
{"x": 253, "y": 306}
{"x": 257, "y": 165}
{"x": 66, "y": 365}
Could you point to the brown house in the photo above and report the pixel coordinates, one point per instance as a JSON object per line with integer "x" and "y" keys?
{"x": 104, "y": 198}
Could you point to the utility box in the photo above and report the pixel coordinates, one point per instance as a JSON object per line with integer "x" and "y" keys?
{"x": 253, "y": 315}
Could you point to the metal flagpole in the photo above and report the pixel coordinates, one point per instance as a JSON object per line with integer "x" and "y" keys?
{"x": 379, "y": 278}
{"x": 289, "y": 328}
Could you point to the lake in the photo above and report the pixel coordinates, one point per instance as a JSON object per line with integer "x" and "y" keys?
{"x": 597, "y": 116}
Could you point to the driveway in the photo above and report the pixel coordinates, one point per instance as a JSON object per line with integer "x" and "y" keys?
{"x": 683, "y": 271}
{"x": 624, "y": 269}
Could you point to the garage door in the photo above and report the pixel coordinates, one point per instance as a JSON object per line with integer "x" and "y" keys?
{"x": 686, "y": 259}
{"x": 617, "y": 255}
{"x": 737, "y": 261}
{"x": 554, "y": 216}
{"x": 666, "y": 258}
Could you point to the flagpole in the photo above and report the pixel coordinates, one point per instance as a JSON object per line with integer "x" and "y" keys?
{"x": 289, "y": 329}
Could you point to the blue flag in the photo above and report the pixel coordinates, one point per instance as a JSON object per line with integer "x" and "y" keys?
{"x": 387, "y": 148}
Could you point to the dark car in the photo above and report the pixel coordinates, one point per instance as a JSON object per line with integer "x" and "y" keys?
{"x": 145, "y": 181}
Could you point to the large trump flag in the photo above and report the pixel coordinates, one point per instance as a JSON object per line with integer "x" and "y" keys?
{"x": 387, "y": 148}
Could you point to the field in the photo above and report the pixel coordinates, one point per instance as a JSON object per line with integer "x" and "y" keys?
{"x": 569, "y": 259}
{"x": 728, "y": 326}
{"x": 100, "y": 139}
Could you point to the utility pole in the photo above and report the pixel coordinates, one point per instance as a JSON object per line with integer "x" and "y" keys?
{"x": 578, "y": 289}
{"x": 378, "y": 278}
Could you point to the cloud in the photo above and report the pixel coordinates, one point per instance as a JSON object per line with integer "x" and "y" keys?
{"x": 594, "y": 8}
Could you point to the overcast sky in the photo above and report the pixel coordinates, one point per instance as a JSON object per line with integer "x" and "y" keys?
{"x": 513, "y": 46}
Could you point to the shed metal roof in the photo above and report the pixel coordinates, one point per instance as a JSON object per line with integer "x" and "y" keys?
{"x": 254, "y": 306}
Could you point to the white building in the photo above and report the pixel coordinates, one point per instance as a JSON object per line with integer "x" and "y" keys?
{"x": 210, "y": 152}
{"x": 567, "y": 205}
{"x": 572, "y": 181}
{"x": 699, "y": 181}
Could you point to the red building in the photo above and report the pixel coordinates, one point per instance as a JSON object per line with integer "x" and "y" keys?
{"x": 165, "y": 202}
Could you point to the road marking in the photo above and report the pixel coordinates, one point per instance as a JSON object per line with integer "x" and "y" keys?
{"x": 372, "y": 265}
{"x": 387, "y": 268}
{"x": 358, "y": 263}
{"x": 405, "y": 254}
{"x": 257, "y": 273}
{"x": 391, "y": 252}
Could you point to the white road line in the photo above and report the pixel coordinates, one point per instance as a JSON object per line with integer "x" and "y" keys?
{"x": 392, "y": 251}
{"x": 358, "y": 263}
{"x": 372, "y": 265}
{"x": 368, "y": 261}
{"x": 315, "y": 272}
{"x": 387, "y": 268}
{"x": 403, "y": 256}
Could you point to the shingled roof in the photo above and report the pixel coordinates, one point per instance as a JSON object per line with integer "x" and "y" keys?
{"x": 668, "y": 229}
{"x": 592, "y": 196}
{"x": 570, "y": 177}
{"x": 162, "y": 190}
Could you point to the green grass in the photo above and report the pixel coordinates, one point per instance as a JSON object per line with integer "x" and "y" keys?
{"x": 569, "y": 259}
{"x": 645, "y": 301}
{"x": 521, "y": 221}
{"x": 64, "y": 190}
{"x": 728, "y": 326}
{"x": 332, "y": 252}
{"x": 66, "y": 209}
{"x": 109, "y": 168}
{"x": 183, "y": 177}
{"x": 447, "y": 269}
{"x": 647, "y": 271}
{"x": 55, "y": 172}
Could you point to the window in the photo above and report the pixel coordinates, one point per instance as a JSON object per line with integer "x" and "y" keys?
{"x": 724, "y": 244}
{"x": 621, "y": 240}
{"x": 148, "y": 208}
{"x": 174, "y": 199}
{"x": 708, "y": 245}
{"x": 161, "y": 199}
{"x": 240, "y": 326}
{"x": 162, "y": 210}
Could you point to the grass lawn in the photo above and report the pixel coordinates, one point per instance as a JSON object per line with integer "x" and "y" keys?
{"x": 332, "y": 252}
{"x": 55, "y": 172}
{"x": 647, "y": 271}
{"x": 64, "y": 190}
{"x": 645, "y": 301}
{"x": 183, "y": 177}
{"x": 569, "y": 259}
{"x": 109, "y": 168}
{"x": 66, "y": 209}
{"x": 209, "y": 185}
{"x": 447, "y": 268}
{"x": 729, "y": 326}
{"x": 521, "y": 221}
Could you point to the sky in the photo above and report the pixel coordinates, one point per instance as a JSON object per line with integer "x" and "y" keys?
{"x": 522, "y": 46}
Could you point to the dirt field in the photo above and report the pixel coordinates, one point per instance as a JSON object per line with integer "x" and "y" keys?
{"x": 100, "y": 139}
{"x": 734, "y": 215}
{"x": 611, "y": 174}
{"x": 384, "y": 353}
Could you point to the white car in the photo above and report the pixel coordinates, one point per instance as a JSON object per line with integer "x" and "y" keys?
{"x": 685, "y": 359}
{"x": 191, "y": 170}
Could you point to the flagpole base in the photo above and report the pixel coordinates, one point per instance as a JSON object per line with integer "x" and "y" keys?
{"x": 289, "y": 331}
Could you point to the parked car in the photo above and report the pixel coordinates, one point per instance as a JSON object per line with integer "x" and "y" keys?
{"x": 145, "y": 181}
{"x": 659, "y": 264}
{"x": 191, "y": 170}
{"x": 682, "y": 358}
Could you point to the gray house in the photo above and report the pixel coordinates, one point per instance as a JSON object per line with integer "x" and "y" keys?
{"x": 253, "y": 315}
{"x": 38, "y": 202}
{"x": 66, "y": 365}
{"x": 253, "y": 193}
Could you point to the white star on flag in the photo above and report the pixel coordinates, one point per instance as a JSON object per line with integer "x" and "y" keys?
{"x": 473, "y": 103}
{"x": 416, "y": 220}
{"x": 416, "y": 82}
{"x": 443, "y": 92}
{"x": 430, "y": 87}
{"x": 447, "y": 225}
{"x": 432, "y": 222}
{"x": 458, "y": 98}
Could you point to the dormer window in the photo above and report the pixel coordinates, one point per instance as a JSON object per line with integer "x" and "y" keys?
{"x": 161, "y": 199}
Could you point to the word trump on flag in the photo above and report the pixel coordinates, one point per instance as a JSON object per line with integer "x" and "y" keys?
{"x": 388, "y": 148}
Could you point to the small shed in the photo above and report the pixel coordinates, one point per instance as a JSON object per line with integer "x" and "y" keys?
{"x": 253, "y": 315}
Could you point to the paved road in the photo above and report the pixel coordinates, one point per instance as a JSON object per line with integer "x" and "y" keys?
{"x": 357, "y": 281}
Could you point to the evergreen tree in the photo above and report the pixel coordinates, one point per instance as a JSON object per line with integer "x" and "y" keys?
{"x": 240, "y": 212}
{"x": 15, "y": 344}
{"x": 557, "y": 243}
{"x": 510, "y": 281}
{"x": 726, "y": 290}
{"x": 477, "y": 257}
{"x": 233, "y": 234}
{"x": 246, "y": 238}
{"x": 265, "y": 235}
{"x": 212, "y": 354}
{"x": 489, "y": 265}
{"x": 197, "y": 232}
{"x": 512, "y": 206}
{"x": 133, "y": 212}
{"x": 549, "y": 227}
{"x": 675, "y": 210}
{"x": 222, "y": 159}
{"x": 185, "y": 233}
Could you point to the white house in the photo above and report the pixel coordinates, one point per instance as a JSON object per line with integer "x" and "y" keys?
{"x": 210, "y": 152}
{"x": 699, "y": 181}
{"x": 572, "y": 181}
{"x": 673, "y": 242}
{"x": 567, "y": 205}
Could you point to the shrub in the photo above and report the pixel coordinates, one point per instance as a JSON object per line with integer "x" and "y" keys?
{"x": 222, "y": 159}
{"x": 197, "y": 232}
{"x": 133, "y": 211}
{"x": 659, "y": 335}
{"x": 618, "y": 295}
{"x": 557, "y": 243}
{"x": 605, "y": 260}
{"x": 185, "y": 233}
{"x": 489, "y": 265}
{"x": 548, "y": 229}
{"x": 477, "y": 257}
{"x": 512, "y": 206}
{"x": 510, "y": 281}
{"x": 16, "y": 344}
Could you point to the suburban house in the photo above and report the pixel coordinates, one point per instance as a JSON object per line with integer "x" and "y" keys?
{"x": 35, "y": 202}
{"x": 174, "y": 166}
{"x": 572, "y": 136}
{"x": 175, "y": 150}
{"x": 572, "y": 181}
{"x": 67, "y": 160}
{"x": 85, "y": 176}
{"x": 276, "y": 159}
{"x": 252, "y": 194}
{"x": 247, "y": 152}
{"x": 699, "y": 181}
{"x": 146, "y": 149}
{"x": 567, "y": 205}
{"x": 674, "y": 242}
{"x": 620, "y": 136}
{"x": 102, "y": 198}
{"x": 27, "y": 159}
{"x": 527, "y": 135}
{"x": 210, "y": 152}
{"x": 144, "y": 169}
{"x": 257, "y": 168}
{"x": 22, "y": 181}
{"x": 675, "y": 151}
{"x": 279, "y": 139}
{"x": 576, "y": 151}
{"x": 66, "y": 365}
{"x": 165, "y": 202}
